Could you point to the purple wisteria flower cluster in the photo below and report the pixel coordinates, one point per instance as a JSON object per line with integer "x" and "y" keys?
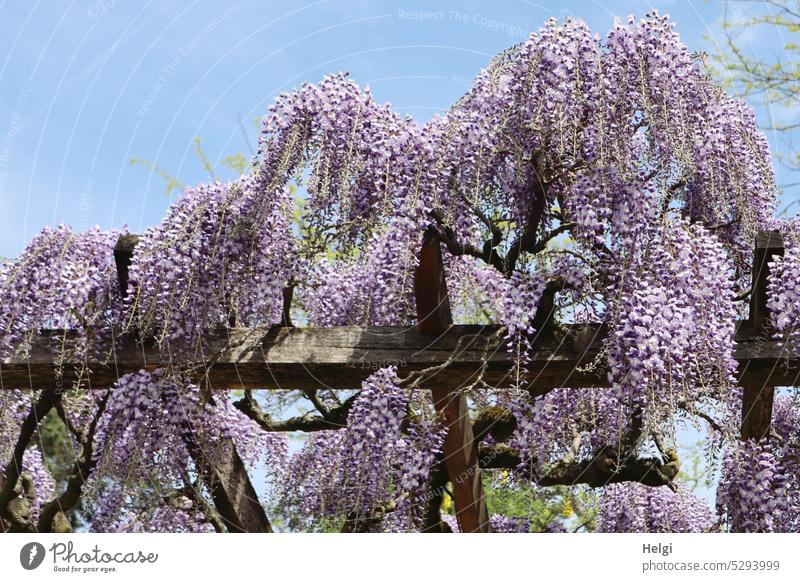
{"x": 559, "y": 425}
{"x": 373, "y": 473}
{"x": 674, "y": 324}
{"x": 632, "y": 507}
{"x": 222, "y": 256}
{"x": 759, "y": 487}
{"x": 63, "y": 279}
{"x": 153, "y": 434}
{"x": 783, "y": 293}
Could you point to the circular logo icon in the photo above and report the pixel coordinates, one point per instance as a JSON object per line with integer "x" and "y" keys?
{"x": 31, "y": 555}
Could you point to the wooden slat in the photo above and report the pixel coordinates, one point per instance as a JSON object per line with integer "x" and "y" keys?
{"x": 300, "y": 358}
{"x": 343, "y": 357}
{"x": 461, "y": 457}
{"x": 430, "y": 288}
{"x": 758, "y": 391}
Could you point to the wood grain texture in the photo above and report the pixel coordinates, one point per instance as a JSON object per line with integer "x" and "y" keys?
{"x": 233, "y": 493}
{"x": 341, "y": 357}
{"x": 461, "y": 459}
{"x": 459, "y": 448}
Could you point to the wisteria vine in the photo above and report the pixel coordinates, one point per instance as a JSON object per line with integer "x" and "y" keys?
{"x": 603, "y": 181}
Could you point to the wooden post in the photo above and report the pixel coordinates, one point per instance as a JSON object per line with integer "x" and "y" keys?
{"x": 123, "y": 254}
{"x": 231, "y": 489}
{"x": 461, "y": 458}
{"x": 430, "y": 288}
{"x": 759, "y": 393}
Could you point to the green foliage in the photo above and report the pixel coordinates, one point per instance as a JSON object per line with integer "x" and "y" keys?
{"x": 56, "y": 447}
{"x": 767, "y": 73}
{"x": 171, "y": 182}
{"x": 694, "y": 471}
{"x": 237, "y": 163}
{"x": 543, "y": 506}
{"x": 204, "y": 161}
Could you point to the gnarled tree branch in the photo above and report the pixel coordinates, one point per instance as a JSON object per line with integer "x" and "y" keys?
{"x": 333, "y": 419}
{"x": 80, "y": 473}
{"x": 13, "y": 472}
{"x": 603, "y": 469}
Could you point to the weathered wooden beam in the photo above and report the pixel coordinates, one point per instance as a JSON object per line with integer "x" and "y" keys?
{"x": 460, "y": 453}
{"x": 342, "y": 357}
{"x": 430, "y": 288}
{"x": 758, "y": 392}
{"x": 309, "y": 358}
{"x": 461, "y": 459}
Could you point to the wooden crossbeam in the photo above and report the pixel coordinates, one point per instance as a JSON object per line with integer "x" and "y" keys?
{"x": 342, "y": 357}
{"x": 460, "y": 451}
{"x": 758, "y": 392}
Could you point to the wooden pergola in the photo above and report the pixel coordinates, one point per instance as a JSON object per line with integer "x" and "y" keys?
{"x": 445, "y": 357}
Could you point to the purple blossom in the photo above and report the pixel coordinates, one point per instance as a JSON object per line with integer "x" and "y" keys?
{"x": 632, "y": 507}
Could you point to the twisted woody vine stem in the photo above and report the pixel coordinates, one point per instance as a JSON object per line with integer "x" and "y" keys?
{"x": 608, "y": 180}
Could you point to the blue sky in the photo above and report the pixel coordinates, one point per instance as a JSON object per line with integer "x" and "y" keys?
{"x": 87, "y": 85}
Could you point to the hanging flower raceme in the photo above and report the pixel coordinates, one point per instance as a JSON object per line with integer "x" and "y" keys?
{"x": 353, "y": 147}
{"x": 62, "y": 280}
{"x": 332, "y": 294}
{"x": 560, "y": 427}
{"x": 155, "y": 434}
{"x": 673, "y": 322}
{"x": 477, "y": 291}
{"x": 177, "y": 514}
{"x": 505, "y": 524}
{"x": 783, "y": 291}
{"x": 376, "y": 286}
{"x": 373, "y": 473}
{"x": 631, "y": 507}
{"x": 521, "y": 120}
{"x": 521, "y": 297}
{"x": 753, "y": 490}
{"x": 759, "y": 488}
{"x": 223, "y": 256}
